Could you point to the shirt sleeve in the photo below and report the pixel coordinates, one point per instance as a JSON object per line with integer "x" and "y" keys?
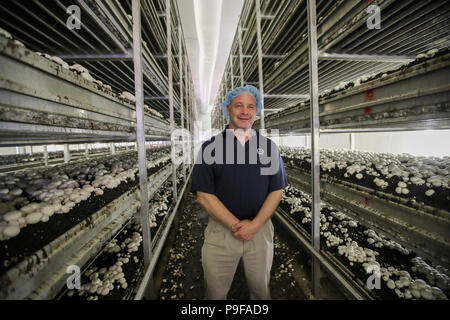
{"x": 278, "y": 181}
{"x": 202, "y": 176}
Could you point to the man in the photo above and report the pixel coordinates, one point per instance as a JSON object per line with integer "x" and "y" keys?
{"x": 239, "y": 176}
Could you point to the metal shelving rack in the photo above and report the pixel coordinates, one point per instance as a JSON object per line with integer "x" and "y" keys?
{"x": 287, "y": 47}
{"x": 127, "y": 45}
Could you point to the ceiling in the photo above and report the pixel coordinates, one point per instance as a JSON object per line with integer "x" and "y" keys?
{"x": 209, "y": 27}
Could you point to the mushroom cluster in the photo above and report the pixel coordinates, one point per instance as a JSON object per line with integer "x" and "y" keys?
{"x": 402, "y": 174}
{"x": 438, "y": 276}
{"x": 160, "y": 203}
{"x": 153, "y": 112}
{"x": 364, "y": 248}
{"x": 382, "y": 74}
{"x": 34, "y": 195}
{"x": 102, "y": 280}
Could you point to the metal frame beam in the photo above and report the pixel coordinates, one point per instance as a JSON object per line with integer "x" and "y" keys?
{"x": 98, "y": 57}
{"x": 315, "y": 152}
{"x": 66, "y": 153}
{"x": 170, "y": 80}
{"x": 260, "y": 56}
{"x": 140, "y": 134}
{"x": 180, "y": 71}
{"x": 286, "y": 96}
{"x": 265, "y": 56}
{"x": 241, "y": 58}
{"x": 365, "y": 57}
{"x": 149, "y": 98}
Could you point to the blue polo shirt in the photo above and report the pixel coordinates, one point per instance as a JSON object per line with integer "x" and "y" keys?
{"x": 240, "y": 176}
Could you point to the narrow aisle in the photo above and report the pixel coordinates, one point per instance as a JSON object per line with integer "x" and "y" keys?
{"x": 182, "y": 278}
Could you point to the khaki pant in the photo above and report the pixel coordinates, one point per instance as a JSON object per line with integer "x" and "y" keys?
{"x": 221, "y": 253}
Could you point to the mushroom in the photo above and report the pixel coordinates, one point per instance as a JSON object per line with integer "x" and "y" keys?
{"x": 415, "y": 293}
{"x": 33, "y": 217}
{"x": 12, "y": 215}
{"x": 11, "y": 231}
{"x": 48, "y": 210}
{"x": 427, "y": 294}
{"x": 390, "y": 284}
{"x": 408, "y": 294}
{"x": 16, "y": 192}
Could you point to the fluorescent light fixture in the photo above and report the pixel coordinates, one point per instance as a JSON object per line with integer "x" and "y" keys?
{"x": 207, "y": 21}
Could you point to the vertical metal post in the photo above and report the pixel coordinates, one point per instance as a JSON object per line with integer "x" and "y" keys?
{"x": 66, "y": 153}
{"x": 186, "y": 89}
{"x": 226, "y": 83}
{"x": 112, "y": 148}
{"x": 190, "y": 122}
{"x": 86, "y": 150}
{"x": 352, "y": 141}
{"x": 231, "y": 70}
{"x": 188, "y": 94}
{"x": 183, "y": 174}
{"x": 241, "y": 62}
{"x": 140, "y": 135}
{"x": 222, "y": 116}
{"x": 31, "y": 150}
{"x": 260, "y": 67}
{"x": 170, "y": 78}
{"x": 315, "y": 152}
{"x": 193, "y": 105}
{"x": 45, "y": 156}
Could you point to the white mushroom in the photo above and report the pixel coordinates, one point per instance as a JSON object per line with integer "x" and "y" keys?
{"x": 408, "y": 294}
{"x": 60, "y": 61}
{"x": 11, "y": 231}
{"x": 12, "y": 215}
{"x": 5, "y": 33}
{"x": 415, "y": 293}
{"x": 390, "y": 284}
{"x": 401, "y": 184}
{"x": 48, "y": 210}
{"x": 426, "y": 294}
{"x": 33, "y": 217}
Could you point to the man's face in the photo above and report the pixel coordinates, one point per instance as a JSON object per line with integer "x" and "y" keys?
{"x": 242, "y": 111}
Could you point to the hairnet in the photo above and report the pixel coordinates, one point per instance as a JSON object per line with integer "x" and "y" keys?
{"x": 237, "y": 92}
